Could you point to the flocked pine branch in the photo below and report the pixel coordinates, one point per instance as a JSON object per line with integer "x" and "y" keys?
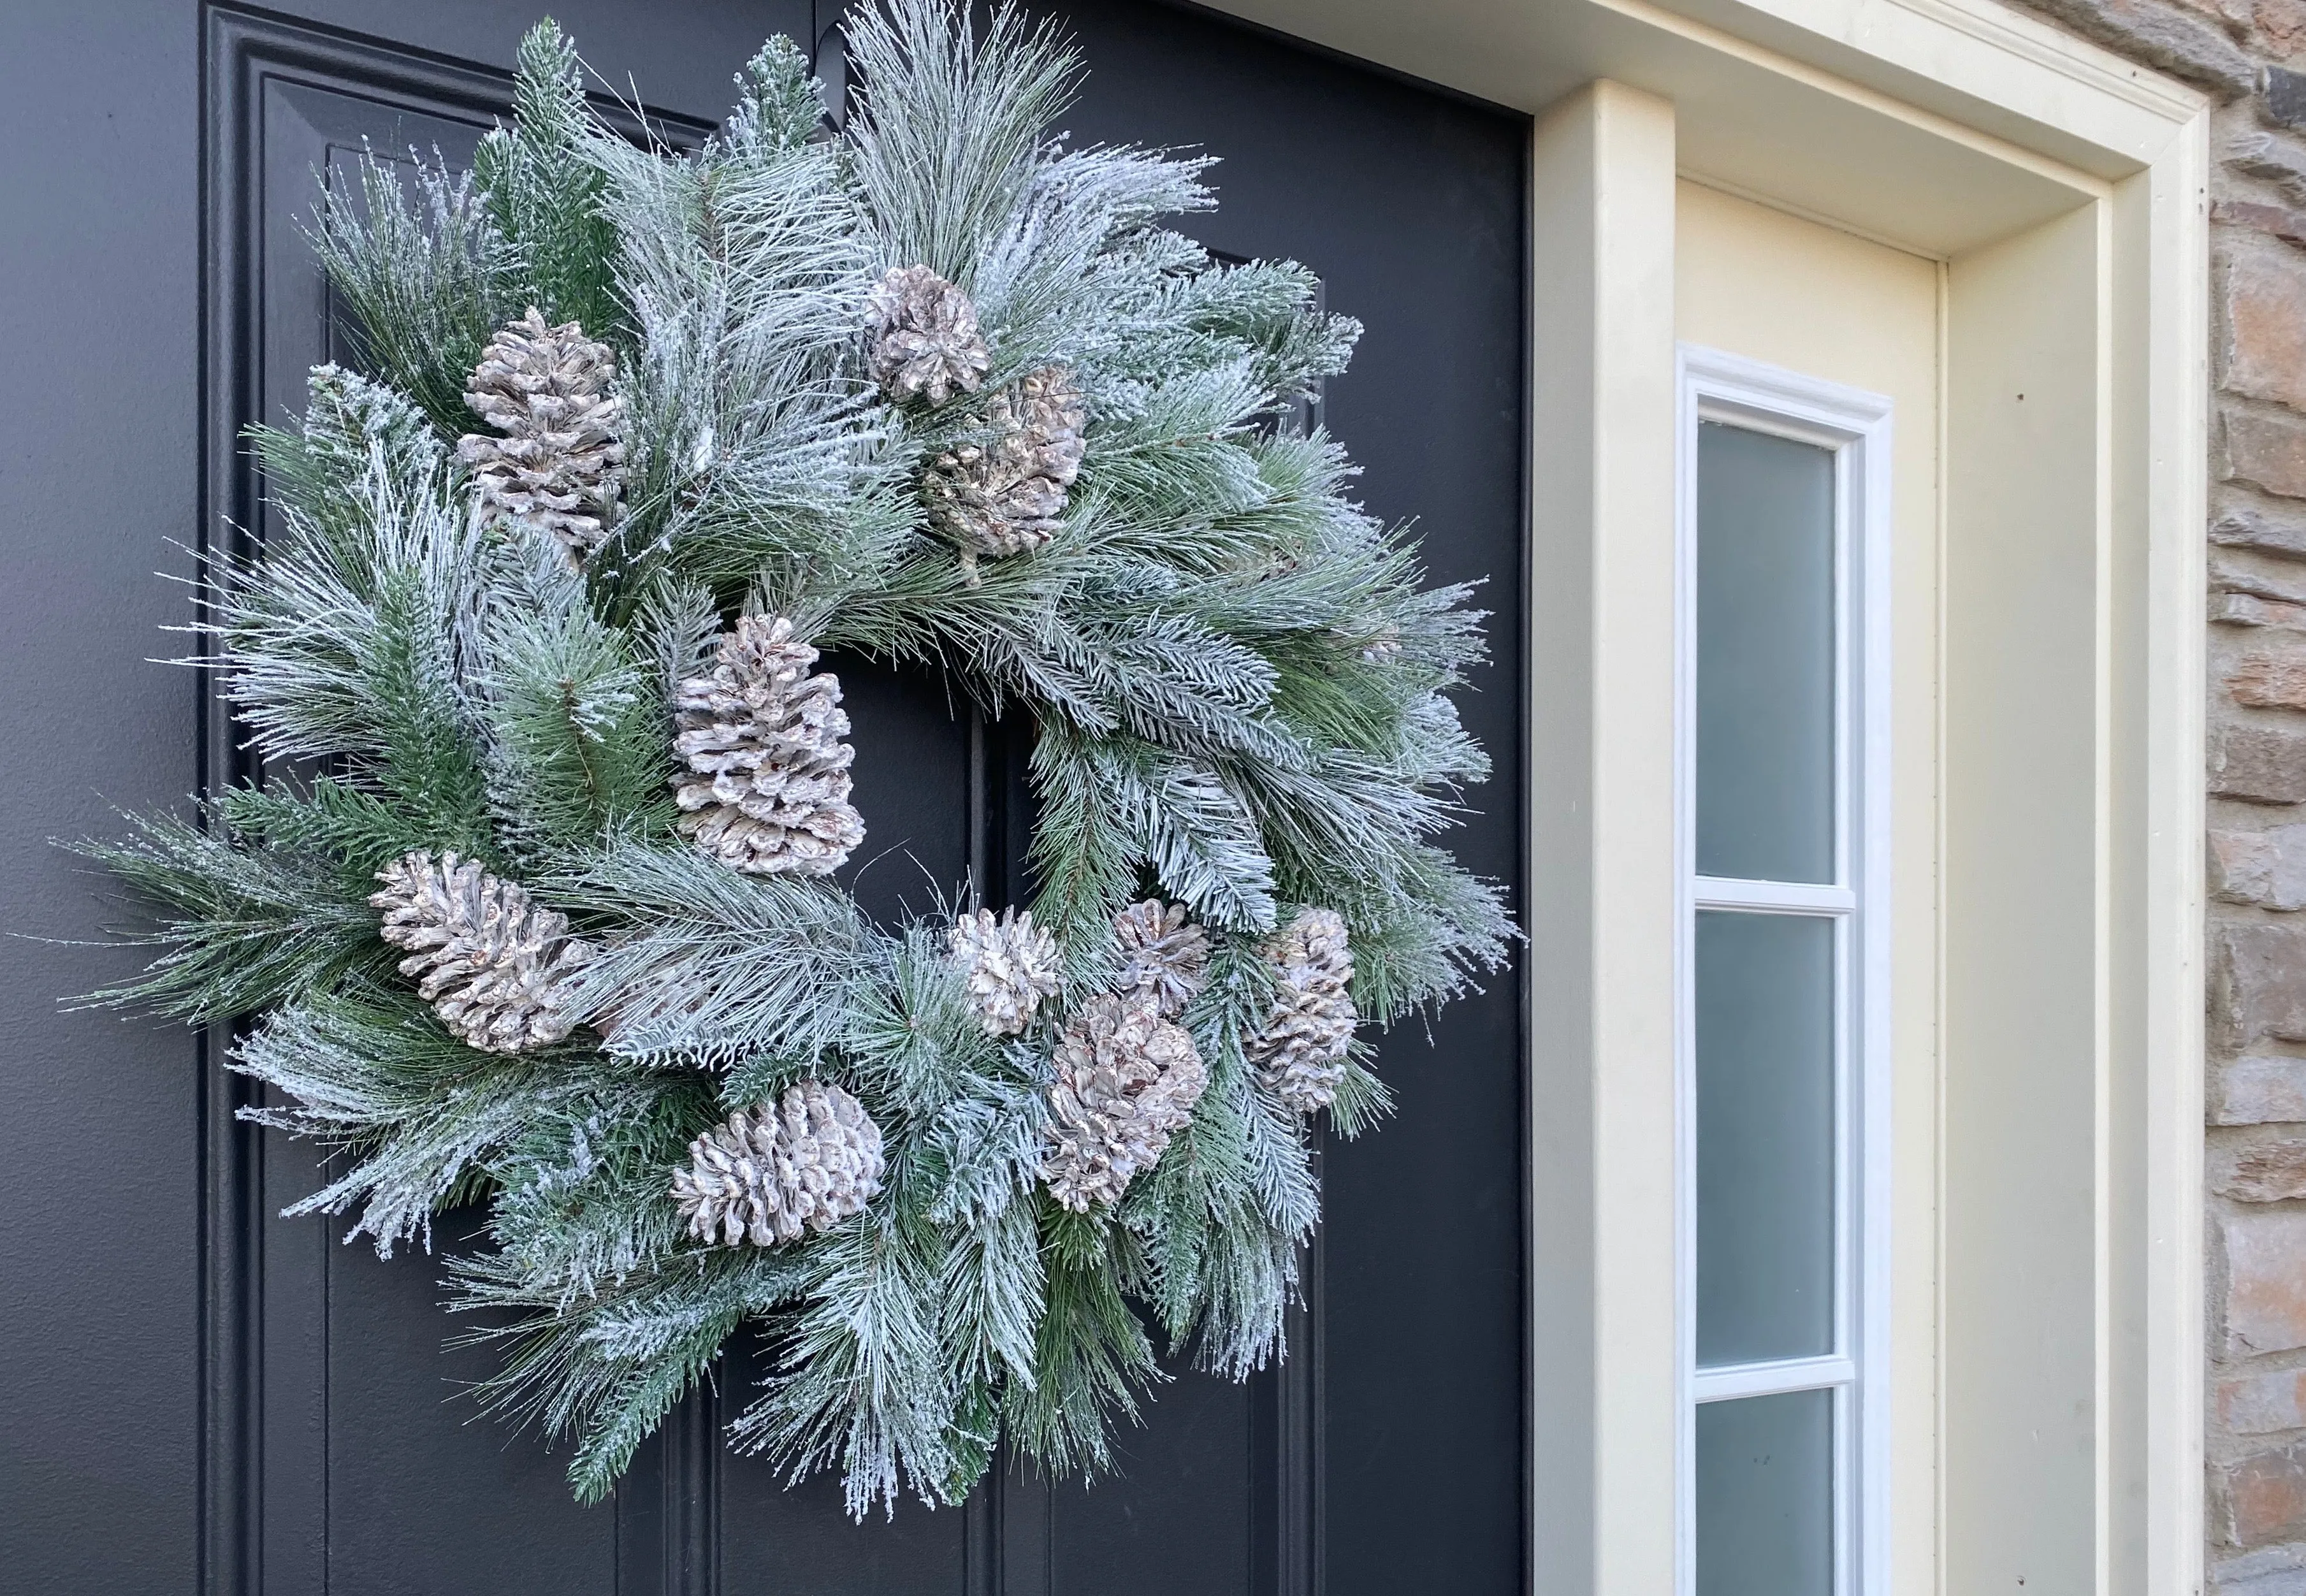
{"x": 425, "y": 274}
{"x": 542, "y": 194}
{"x": 944, "y": 125}
{"x": 238, "y": 928}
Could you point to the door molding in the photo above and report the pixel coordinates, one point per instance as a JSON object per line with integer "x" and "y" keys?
{"x": 245, "y": 53}
{"x": 666, "y": 1528}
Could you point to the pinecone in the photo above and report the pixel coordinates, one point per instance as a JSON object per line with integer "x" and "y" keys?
{"x": 493, "y": 965}
{"x": 1006, "y": 493}
{"x": 1127, "y": 1080}
{"x": 807, "y": 1162}
{"x": 1164, "y": 956}
{"x": 559, "y": 465}
{"x": 1301, "y": 1053}
{"x": 768, "y": 785}
{"x": 925, "y": 336}
{"x": 1010, "y": 964}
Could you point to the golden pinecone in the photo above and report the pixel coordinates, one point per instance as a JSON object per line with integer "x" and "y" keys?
{"x": 1004, "y": 491}
{"x": 767, "y": 786}
{"x": 559, "y": 465}
{"x": 925, "y": 337}
{"x": 1299, "y": 1054}
{"x": 1126, "y": 1081}
{"x": 805, "y": 1163}
{"x": 493, "y": 964}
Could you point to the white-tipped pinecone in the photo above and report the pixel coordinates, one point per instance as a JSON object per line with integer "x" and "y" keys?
{"x": 1126, "y": 1081}
{"x": 925, "y": 336}
{"x": 1300, "y": 1055}
{"x": 767, "y": 788}
{"x": 1009, "y": 965}
{"x": 493, "y": 964}
{"x": 1005, "y": 493}
{"x": 805, "y": 1163}
{"x": 1164, "y": 956}
{"x": 560, "y": 463}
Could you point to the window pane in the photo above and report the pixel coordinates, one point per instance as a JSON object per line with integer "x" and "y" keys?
{"x": 1764, "y": 656}
{"x": 1765, "y": 1495}
{"x": 1765, "y": 1137}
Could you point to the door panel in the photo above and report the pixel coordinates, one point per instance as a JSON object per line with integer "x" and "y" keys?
{"x": 1387, "y": 1454}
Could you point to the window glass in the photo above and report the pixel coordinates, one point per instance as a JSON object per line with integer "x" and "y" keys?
{"x": 1765, "y": 1137}
{"x": 1765, "y": 1495}
{"x": 1765, "y": 645}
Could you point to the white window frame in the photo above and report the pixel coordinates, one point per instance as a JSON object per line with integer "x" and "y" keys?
{"x": 1713, "y": 385}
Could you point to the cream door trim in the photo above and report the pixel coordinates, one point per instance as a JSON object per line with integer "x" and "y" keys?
{"x": 2063, "y": 189}
{"x": 1992, "y": 121}
{"x": 1605, "y": 1353}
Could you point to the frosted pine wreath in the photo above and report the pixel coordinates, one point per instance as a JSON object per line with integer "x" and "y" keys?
{"x": 642, "y": 434}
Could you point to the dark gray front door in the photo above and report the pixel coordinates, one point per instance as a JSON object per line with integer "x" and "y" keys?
{"x": 201, "y": 1395}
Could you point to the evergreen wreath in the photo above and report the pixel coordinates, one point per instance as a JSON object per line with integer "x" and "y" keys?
{"x": 533, "y": 906}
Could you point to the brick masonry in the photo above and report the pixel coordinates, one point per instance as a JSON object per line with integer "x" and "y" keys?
{"x": 2251, "y": 56}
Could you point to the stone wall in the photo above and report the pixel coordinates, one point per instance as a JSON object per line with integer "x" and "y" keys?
{"x": 2250, "y": 55}
{"x": 2257, "y": 1438}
